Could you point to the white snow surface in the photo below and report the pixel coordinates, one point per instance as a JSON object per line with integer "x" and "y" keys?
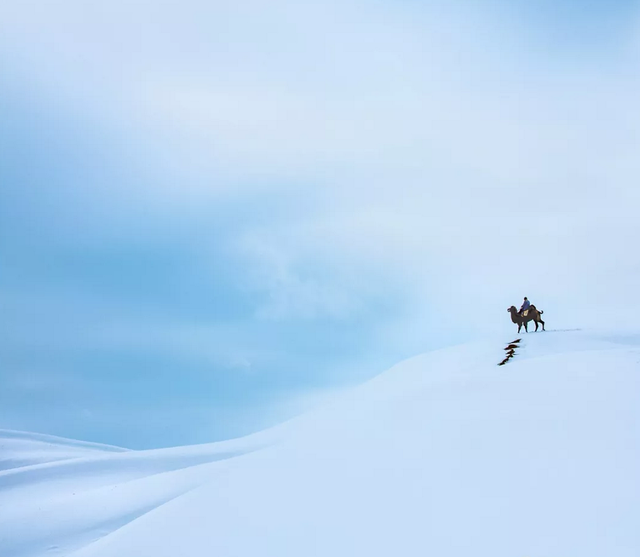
{"x": 446, "y": 454}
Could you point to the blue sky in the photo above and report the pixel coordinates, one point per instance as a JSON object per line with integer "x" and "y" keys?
{"x": 213, "y": 215}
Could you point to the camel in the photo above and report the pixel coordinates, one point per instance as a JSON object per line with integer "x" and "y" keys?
{"x": 532, "y": 315}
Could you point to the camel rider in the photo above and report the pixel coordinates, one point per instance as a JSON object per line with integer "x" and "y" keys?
{"x": 525, "y": 306}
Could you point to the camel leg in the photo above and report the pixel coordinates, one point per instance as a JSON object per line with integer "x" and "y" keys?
{"x": 541, "y": 321}
{"x": 519, "y": 327}
{"x": 536, "y": 326}
{"x": 526, "y": 327}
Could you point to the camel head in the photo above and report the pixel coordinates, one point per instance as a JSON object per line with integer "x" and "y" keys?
{"x": 512, "y": 309}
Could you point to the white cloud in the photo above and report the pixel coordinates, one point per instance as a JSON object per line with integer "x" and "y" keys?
{"x": 444, "y": 151}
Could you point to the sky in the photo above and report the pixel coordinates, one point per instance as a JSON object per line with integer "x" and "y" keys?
{"x": 213, "y": 215}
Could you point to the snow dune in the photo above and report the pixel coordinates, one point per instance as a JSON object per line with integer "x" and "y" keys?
{"x": 19, "y": 448}
{"x": 445, "y": 454}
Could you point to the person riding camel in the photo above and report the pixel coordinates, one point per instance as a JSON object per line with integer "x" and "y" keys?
{"x": 525, "y": 306}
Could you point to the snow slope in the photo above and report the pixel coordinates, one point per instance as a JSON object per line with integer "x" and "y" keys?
{"x": 444, "y": 455}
